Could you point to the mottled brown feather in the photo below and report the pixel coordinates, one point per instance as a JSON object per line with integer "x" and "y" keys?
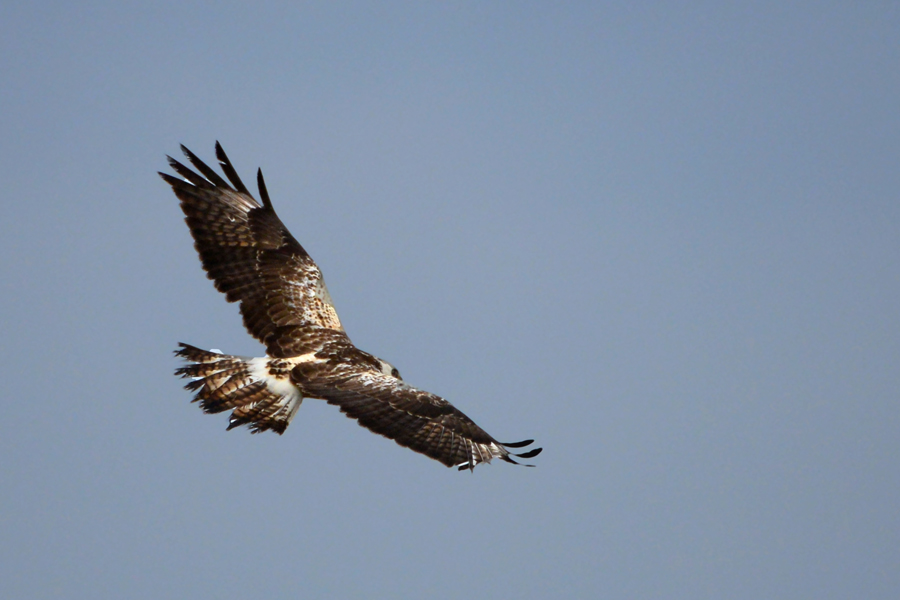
{"x": 251, "y": 256}
{"x": 413, "y": 418}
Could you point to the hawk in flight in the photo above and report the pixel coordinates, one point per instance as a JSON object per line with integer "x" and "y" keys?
{"x": 255, "y": 261}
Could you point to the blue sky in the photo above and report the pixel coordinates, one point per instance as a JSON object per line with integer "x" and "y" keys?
{"x": 660, "y": 239}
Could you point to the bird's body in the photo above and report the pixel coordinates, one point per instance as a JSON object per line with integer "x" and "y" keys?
{"x": 254, "y": 260}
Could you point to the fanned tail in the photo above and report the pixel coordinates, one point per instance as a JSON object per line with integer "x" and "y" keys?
{"x": 243, "y": 385}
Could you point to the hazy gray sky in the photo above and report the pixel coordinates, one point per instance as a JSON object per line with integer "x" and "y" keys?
{"x": 661, "y": 239}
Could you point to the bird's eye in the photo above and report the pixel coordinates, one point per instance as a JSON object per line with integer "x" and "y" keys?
{"x": 395, "y": 373}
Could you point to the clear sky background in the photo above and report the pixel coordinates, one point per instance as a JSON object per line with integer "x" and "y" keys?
{"x": 660, "y": 238}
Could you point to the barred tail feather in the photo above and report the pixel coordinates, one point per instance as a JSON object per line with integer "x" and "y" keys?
{"x": 246, "y": 386}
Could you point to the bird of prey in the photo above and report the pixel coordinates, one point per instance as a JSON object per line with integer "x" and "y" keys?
{"x": 254, "y": 260}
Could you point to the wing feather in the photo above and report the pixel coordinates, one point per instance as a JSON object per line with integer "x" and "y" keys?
{"x": 413, "y": 418}
{"x": 251, "y": 256}
{"x": 207, "y": 172}
{"x": 229, "y": 170}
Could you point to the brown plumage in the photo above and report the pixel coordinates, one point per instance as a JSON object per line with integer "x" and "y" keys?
{"x": 254, "y": 260}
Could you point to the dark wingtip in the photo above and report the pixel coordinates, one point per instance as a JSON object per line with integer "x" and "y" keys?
{"x": 186, "y": 175}
{"x": 263, "y": 192}
{"x": 210, "y": 175}
{"x": 521, "y": 444}
{"x": 176, "y": 166}
{"x": 230, "y": 171}
{"x": 530, "y": 453}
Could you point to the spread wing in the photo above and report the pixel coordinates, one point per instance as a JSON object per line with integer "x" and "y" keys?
{"x": 413, "y": 418}
{"x": 252, "y": 257}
